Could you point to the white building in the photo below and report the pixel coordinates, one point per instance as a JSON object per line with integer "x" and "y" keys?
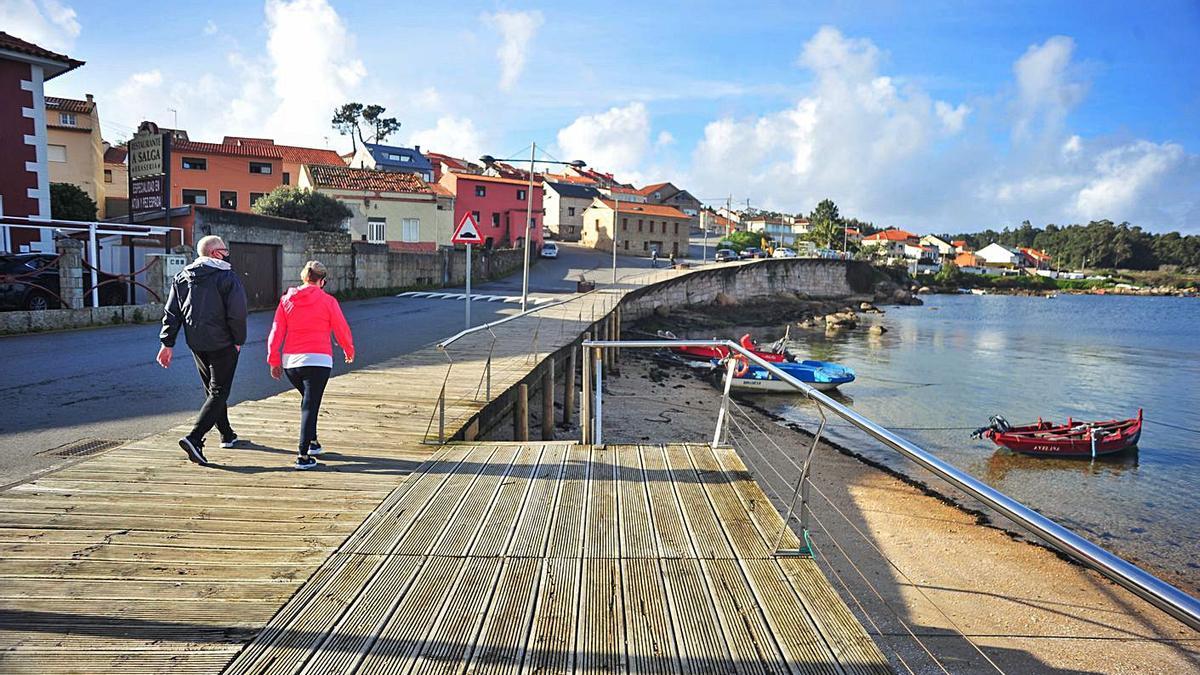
{"x": 999, "y": 256}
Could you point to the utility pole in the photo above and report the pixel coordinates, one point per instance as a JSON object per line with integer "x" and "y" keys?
{"x": 528, "y": 218}
{"x": 616, "y": 213}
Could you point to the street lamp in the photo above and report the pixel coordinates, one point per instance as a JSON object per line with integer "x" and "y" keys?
{"x": 488, "y": 160}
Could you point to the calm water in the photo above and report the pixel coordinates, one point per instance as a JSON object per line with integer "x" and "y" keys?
{"x": 944, "y": 367}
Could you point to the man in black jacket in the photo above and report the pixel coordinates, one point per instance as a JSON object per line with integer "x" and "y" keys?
{"x": 208, "y": 300}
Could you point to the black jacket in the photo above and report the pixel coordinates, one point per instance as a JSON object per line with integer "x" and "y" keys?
{"x": 210, "y": 304}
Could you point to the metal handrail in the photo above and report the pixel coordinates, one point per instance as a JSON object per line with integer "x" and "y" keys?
{"x": 474, "y": 329}
{"x": 1150, "y": 588}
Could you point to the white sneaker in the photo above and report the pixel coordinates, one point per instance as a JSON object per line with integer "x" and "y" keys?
{"x": 305, "y": 462}
{"x": 315, "y": 449}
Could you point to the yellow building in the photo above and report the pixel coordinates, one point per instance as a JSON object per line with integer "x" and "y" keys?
{"x": 74, "y": 148}
{"x": 644, "y": 228}
{"x": 393, "y": 208}
{"x": 116, "y": 181}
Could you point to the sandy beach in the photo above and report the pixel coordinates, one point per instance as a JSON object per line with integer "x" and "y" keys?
{"x": 937, "y": 587}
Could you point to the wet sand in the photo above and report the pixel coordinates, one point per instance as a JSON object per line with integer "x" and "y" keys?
{"x": 934, "y": 585}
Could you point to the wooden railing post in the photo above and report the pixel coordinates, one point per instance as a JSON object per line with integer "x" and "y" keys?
{"x": 548, "y": 401}
{"x": 521, "y": 413}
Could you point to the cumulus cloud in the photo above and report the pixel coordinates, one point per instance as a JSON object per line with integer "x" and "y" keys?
{"x": 1122, "y": 175}
{"x": 517, "y": 30}
{"x": 455, "y": 136}
{"x": 1047, "y": 88}
{"x": 616, "y": 140}
{"x": 48, "y": 23}
{"x": 886, "y": 151}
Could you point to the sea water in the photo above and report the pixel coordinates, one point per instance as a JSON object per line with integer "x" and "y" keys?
{"x": 943, "y": 368}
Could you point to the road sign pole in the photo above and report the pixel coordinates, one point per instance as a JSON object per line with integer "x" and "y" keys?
{"x": 468, "y": 285}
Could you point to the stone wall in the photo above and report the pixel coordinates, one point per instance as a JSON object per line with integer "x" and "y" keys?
{"x": 810, "y": 277}
{"x": 377, "y": 267}
{"x": 14, "y": 323}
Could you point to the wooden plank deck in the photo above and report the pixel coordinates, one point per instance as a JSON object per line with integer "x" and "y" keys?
{"x": 562, "y": 558}
{"x": 138, "y": 561}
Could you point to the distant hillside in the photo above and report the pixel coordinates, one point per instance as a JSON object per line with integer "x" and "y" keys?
{"x": 1097, "y": 244}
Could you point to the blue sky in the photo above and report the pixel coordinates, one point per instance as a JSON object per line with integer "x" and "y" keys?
{"x": 929, "y": 116}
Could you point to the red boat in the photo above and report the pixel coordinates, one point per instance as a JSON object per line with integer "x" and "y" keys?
{"x": 709, "y": 353}
{"x": 1073, "y": 439}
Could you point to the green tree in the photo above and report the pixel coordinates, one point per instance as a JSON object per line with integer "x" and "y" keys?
{"x": 825, "y": 225}
{"x": 949, "y": 275}
{"x": 383, "y": 127}
{"x": 320, "y": 211}
{"x": 68, "y": 202}
{"x": 741, "y": 239}
{"x": 346, "y": 121}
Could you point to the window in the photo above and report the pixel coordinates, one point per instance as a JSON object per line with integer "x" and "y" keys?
{"x": 66, "y": 119}
{"x": 228, "y": 199}
{"x": 676, "y": 229}
{"x": 197, "y": 197}
{"x": 56, "y": 153}
{"x": 377, "y": 230}
{"x": 197, "y": 163}
{"x": 287, "y": 178}
{"x": 108, "y": 175}
{"x": 624, "y": 224}
{"x": 260, "y": 167}
{"x": 520, "y": 195}
{"x": 475, "y": 215}
{"x": 570, "y": 210}
{"x": 645, "y": 246}
{"x": 480, "y": 191}
{"x": 626, "y": 244}
{"x": 495, "y": 220}
{"x": 639, "y": 224}
{"x": 412, "y": 229}
{"x": 255, "y": 196}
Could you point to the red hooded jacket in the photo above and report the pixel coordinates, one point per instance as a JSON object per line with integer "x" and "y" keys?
{"x": 305, "y": 317}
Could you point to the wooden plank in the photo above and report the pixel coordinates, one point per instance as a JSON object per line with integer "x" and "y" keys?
{"x": 703, "y": 526}
{"x": 166, "y": 659}
{"x": 746, "y": 631}
{"x": 550, "y": 647}
{"x": 500, "y": 648}
{"x": 496, "y": 530}
{"x": 648, "y": 627}
{"x": 452, "y": 638}
{"x": 702, "y": 645}
{"x": 402, "y": 637}
{"x": 740, "y": 531}
{"x": 600, "y": 633}
{"x": 670, "y": 531}
{"x": 566, "y": 534}
{"x": 798, "y": 637}
{"x": 637, "y": 531}
{"x": 539, "y": 512}
{"x": 461, "y": 526}
{"x": 601, "y": 533}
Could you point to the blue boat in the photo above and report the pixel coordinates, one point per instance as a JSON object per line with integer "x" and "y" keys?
{"x": 821, "y": 375}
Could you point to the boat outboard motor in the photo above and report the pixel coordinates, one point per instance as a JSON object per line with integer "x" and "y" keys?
{"x": 995, "y": 423}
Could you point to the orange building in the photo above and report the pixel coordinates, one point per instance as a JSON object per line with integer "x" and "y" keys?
{"x": 235, "y": 173}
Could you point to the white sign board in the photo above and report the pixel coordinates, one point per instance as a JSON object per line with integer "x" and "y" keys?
{"x": 467, "y": 232}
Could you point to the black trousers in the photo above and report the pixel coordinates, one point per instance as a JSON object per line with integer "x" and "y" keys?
{"x": 216, "y": 370}
{"x": 310, "y": 381}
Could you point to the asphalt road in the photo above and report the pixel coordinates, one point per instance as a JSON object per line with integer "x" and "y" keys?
{"x": 103, "y": 383}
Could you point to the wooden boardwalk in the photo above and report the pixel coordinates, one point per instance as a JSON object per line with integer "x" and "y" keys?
{"x": 138, "y": 561}
{"x": 561, "y": 558}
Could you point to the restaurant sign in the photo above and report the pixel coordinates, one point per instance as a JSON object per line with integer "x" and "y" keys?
{"x": 148, "y": 152}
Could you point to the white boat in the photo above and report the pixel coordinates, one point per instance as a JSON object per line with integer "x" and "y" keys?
{"x": 775, "y": 386}
{"x": 978, "y": 291}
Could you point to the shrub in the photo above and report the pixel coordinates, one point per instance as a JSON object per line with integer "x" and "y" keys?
{"x": 321, "y": 211}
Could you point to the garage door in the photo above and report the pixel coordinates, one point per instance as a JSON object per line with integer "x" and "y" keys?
{"x": 259, "y": 266}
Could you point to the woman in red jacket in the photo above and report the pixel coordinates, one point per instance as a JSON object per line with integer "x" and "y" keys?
{"x": 303, "y": 321}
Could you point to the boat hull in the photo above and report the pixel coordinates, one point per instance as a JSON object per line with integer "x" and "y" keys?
{"x": 819, "y": 375}
{"x": 1046, "y": 439}
{"x": 774, "y": 386}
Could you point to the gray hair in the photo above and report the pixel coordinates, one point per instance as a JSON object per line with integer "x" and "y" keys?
{"x": 209, "y": 244}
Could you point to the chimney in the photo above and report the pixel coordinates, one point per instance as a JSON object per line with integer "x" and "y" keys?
{"x": 417, "y": 148}
{"x": 89, "y": 98}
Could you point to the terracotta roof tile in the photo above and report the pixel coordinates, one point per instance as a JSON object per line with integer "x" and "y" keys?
{"x": 69, "y": 104}
{"x": 649, "y": 189}
{"x": 537, "y": 181}
{"x": 197, "y": 147}
{"x": 16, "y": 44}
{"x": 288, "y": 153}
{"x": 891, "y": 235}
{"x": 648, "y": 209}
{"x": 115, "y": 155}
{"x": 341, "y": 177}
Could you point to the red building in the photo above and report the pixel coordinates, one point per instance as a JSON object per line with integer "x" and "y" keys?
{"x": 24, "y": 176}
{"x": 499, "y": 206}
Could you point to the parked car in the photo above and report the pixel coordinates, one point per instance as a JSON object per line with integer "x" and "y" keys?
{"x": 725, "y": 255}
{"x": 783, "y": 253}
{"x": 549, "y": 250}
{"x": 752, "y": 252}
{"x": 42, "y": 269}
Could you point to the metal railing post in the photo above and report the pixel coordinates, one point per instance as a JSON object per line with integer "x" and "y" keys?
{"x": 801, "y": 491}
{"x": 723, "y": 414}
{"x": 585, "y": 401}
{"x": 598, "y": 417}
{"x": 442, "y": 415}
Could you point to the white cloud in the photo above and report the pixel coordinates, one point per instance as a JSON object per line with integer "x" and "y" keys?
{"x": 1122, "y": 175}
{"x": 211, "y": 28}
{"x": 952, "y": 117}
{"x": 1072, "y": 146}
{"x": 616, "y": 140}
{"x": 455, "y": 136}
{"x": 665, "y": 138}
{"x": 517, "y": 30}
{"x": 1046, "y": 86}
{"x": 313, "y": 67}
{"x": 47, "y": 23}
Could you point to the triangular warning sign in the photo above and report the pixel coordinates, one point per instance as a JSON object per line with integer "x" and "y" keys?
{"x": 467, "y": 232}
